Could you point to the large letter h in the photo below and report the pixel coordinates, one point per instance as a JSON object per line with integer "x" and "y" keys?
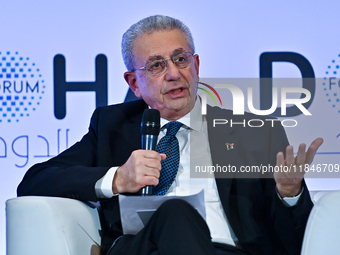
{"x": 61, "y": 86}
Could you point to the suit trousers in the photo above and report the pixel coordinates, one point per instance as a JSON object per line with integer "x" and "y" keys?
{"x": 175, "y": 228}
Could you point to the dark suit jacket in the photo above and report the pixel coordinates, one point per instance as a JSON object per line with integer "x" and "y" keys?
{"x": 261, "y": 222}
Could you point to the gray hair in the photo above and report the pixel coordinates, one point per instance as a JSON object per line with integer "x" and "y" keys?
{"x": 149, "y": 25}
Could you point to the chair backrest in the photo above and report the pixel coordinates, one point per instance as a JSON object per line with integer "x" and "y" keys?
{"x": 323, "y": 227}
{"x": 50, "y": 225}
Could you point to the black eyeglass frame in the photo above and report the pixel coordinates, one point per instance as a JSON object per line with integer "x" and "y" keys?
{"x": 165, "y": 63}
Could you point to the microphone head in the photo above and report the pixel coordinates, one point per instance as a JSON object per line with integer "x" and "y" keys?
{"x": 150, "y": 122}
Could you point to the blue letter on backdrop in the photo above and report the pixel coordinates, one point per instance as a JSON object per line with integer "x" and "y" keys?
{"x": 61, "y": 86}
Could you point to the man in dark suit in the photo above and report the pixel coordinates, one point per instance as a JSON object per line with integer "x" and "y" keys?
{"x": 244, "y": 215}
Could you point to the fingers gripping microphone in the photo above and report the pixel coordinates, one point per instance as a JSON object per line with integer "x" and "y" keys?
{"x": 150, "y": 127}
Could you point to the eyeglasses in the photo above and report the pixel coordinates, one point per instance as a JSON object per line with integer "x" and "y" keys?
{"x": 159, "y": 66}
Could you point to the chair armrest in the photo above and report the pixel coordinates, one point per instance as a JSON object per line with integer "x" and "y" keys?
{"x": 322, "y": 230}
{"x": 51, "y": 225}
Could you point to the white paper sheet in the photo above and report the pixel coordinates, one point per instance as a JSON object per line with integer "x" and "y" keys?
{"x": 136, "y": 211}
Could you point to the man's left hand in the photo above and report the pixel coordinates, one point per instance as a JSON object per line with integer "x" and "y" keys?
{"x": 289, "y": 183}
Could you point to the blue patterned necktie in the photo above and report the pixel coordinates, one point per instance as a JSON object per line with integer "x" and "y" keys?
{"x": 168, "y": 145}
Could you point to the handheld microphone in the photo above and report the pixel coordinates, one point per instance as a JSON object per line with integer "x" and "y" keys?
{"x": 150, "y": 127}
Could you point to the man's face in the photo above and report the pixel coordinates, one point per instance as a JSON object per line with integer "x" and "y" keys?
{"x": 173, "y": 93}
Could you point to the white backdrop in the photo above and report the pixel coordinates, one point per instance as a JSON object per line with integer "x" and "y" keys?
{"x": 229, "y": 37}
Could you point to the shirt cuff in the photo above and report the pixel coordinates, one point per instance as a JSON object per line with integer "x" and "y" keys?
{"x": 290, "y": 201}
{"x": 103, "y": 186}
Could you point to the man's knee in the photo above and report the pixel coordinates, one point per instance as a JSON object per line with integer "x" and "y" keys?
{"x": 179, "y": 211}
{"x": 177, "y": 206}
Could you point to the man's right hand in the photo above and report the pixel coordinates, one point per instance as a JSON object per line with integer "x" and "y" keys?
{"x": 141, "y": 169}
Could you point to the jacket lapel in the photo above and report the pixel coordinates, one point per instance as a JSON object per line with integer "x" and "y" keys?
{"x": 218, "y": 137}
